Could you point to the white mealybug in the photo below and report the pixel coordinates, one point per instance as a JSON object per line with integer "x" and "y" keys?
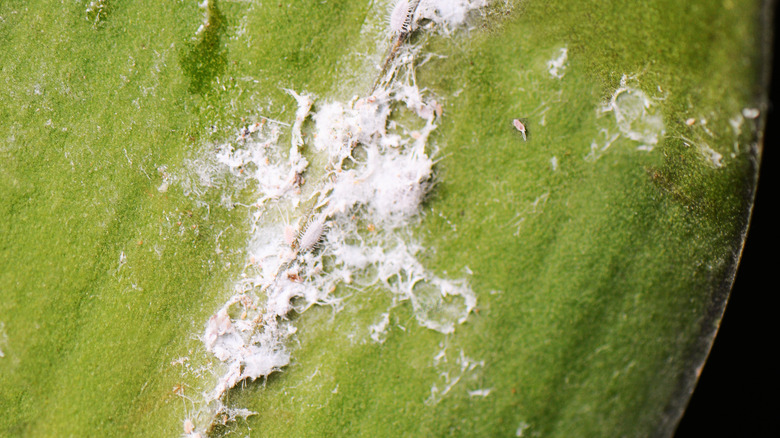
{"x": 310, "y": 236}
{"x": 401, "y": 17}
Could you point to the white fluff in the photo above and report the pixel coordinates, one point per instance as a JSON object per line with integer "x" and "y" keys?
{"x": 448, "y": 13}
{"x": 556, "y": 67}
{"x": 376, "y": 170}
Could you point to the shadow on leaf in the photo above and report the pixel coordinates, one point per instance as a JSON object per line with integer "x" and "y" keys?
{"x": 204, "y": 58}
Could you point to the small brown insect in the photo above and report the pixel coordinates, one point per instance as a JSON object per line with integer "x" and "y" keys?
{"x": 298, "y": 179}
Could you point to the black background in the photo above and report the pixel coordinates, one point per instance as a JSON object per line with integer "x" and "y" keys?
{"x": 738, "y": 394}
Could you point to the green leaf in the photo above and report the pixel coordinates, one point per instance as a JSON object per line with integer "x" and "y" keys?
{"x": 600, "y": 267}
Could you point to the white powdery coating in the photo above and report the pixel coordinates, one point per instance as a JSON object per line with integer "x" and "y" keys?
{"x": 304, "y": 106}
{"x": 253, "y": 158}
{"x": 439, "y": 304}
{"x": 392, "y": 178}
{"x": 387, "y": 182}
{"x": 557, "y": 66}
{"x": 464, "y": 368}
{"x": 736, "y": 123}
{"x": 248, "y": 355}
{"x": 522, "y": 428}
{"x": 449, "y": 13}
{"x": 391, "y": 184}
{"x": 480, "y": 392}
{"x": 379, "y": 330}
{"x": 711, "y": 155}
{"x": 377, "y": 170}
{"x": 634, "y": 120}
{"x": 340, "y": 127}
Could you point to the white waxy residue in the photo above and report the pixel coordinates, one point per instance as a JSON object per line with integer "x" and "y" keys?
{"x": 379, "y": 330}
{"x": 447, "y": 13}
{"x": 711, "y": 155}
{"x": 557, "y": 66}
{"x": 635, "y": 120}
{"x": 751, "y": 113}
{"x": 522, "y": 428}
{"x": 352, "y": 218}
{"x": 463, "y": 371}
{"x": 480, "y": 392}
